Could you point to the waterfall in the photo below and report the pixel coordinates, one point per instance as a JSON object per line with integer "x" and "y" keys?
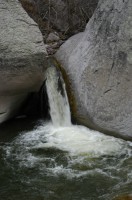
{"x": 58, "y": 100}
{"x": 61, "y": 134}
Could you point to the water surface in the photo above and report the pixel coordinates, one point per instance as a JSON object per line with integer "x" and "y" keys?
{"x": 40, "y": 162}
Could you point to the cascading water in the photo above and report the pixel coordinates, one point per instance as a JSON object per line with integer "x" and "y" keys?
{"x": 59, "y": 105}
{"x": 64, "y": 135}
{"x": 58, "y": 160}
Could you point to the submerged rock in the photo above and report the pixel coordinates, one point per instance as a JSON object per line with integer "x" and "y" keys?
{"x": 22, "y": 58}
{"x": 98, "y": 62}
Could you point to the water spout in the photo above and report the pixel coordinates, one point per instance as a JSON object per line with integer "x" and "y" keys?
{"x": 58, "y": 100}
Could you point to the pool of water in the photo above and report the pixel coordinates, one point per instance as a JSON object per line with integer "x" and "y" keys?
{"x": 40, "y": 162}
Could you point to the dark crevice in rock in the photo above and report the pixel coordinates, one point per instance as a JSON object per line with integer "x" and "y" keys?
{"x": 65, "y": 18}
{"x": 1, "y": 113}
{"x": 36, "y": 105}
{"x": 107, "y": 91}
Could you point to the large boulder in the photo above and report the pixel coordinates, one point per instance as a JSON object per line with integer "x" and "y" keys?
{"x": 99, "y": 65}
{"x": 22, "y": 57}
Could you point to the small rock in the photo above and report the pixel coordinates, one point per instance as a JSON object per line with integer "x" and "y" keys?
{"x": 50, "y": 50}
{"x": 53, "y": 47}
{"x": 52, "y": 37}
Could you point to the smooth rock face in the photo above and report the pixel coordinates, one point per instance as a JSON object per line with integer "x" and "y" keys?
{"x": 99, "y": 65}
{"x": 22, "y": 57}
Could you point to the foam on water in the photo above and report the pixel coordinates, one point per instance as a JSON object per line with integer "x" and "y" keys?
{"x": 79, "y": 140}
{"x": 75, "y": 140}
{"x": 73, "y": 152}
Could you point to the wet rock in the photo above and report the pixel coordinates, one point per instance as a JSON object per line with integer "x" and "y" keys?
{"x": 98, "y": 63}
{"x": 22, "y": 58}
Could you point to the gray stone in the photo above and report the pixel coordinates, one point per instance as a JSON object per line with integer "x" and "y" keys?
{"x": 52, "y": 37}
{"x": 22, "y": 57}
{"x": 99, "y": 65}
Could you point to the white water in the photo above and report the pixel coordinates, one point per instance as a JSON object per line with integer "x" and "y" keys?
{"x": 79, "y": 146}
{"x": 59, "y": 105}
{"x": 79, "y": 140}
